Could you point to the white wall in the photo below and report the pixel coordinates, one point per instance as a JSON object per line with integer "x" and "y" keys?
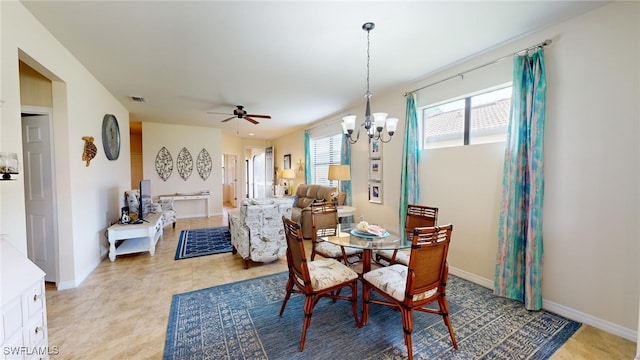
{"x": 87, "y": 198}
{"x": 592, "y": 168}
{"x": 194, "y": 139}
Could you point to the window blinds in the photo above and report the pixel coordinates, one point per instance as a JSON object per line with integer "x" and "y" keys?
{"x": 325, "y": 151}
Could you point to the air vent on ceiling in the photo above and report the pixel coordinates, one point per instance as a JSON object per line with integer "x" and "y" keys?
{"x": 137, "y": 98}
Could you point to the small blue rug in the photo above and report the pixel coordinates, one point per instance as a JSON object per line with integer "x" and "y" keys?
{"x": 202, "y": 242}
{"x": 240, "y": 321}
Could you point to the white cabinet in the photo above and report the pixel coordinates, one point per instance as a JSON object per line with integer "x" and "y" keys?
{"x": 135, "y": 237}
{"x": 23, "y": 326}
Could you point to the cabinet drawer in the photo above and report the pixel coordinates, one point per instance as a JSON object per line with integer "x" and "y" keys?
{"x": 12, "y": 317}
{"x": 35, "y": 332}
{"x": 34, "y": 298}
{"x": 13, "y": 348}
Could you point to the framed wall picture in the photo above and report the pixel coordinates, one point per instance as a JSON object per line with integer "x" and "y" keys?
{"x": 287, "y": 161}
{"x": 375, "y": 169}
{"x": 375, "y": 149}
{"x": 375, "y": 192}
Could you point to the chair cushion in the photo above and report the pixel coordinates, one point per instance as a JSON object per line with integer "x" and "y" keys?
{"x": 166, "y": 204}
{"x": 329, "y": 272}
{"x": 402, "y": 257}
{"x": 328, "y": 249}
{"x": 393, "y": 281}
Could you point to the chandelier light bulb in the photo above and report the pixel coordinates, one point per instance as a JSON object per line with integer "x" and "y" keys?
{"x": 379, "y": 119}
{"x": 349, "y": 123}
{"x": 392, "y": 123}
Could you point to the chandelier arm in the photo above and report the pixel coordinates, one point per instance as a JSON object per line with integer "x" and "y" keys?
{"x": 383, "y": 140}
{"x": 352, "y": 141}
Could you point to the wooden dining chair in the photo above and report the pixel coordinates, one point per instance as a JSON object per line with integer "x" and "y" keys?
{"x": 417, "y": 216}
{"x": 315, "y": 279}
{"x": 413, "y": 287}
{"x": 324, "y": 220}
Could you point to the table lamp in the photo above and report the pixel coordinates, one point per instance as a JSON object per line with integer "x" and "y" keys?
{"x": 339, "y": 172}
{"x": 288, "y": 174}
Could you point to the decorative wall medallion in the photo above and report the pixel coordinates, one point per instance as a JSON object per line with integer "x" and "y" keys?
{"x": 111, "y": 137}
{"x": 203, "y": 164}
{"x": 164, "y": 164}
{"x": 184, "y": 163}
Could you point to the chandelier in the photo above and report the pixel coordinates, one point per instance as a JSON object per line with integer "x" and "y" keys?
{"x": 373, "y": 126}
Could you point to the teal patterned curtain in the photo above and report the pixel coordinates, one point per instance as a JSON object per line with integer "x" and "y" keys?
{"x": 307, "y": 157}
{"x": 345, "y": 159}
{"x": 409, "y": 184}
{"x": 519, "y": 260}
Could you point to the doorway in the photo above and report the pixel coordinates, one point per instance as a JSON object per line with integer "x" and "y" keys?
{"x": 39, "y": 189}
{"x": 259, "y": 172}
{"x": 229, "y": 180}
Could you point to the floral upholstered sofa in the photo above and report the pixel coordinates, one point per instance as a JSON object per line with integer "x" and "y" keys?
{"x": 257, "y": 232}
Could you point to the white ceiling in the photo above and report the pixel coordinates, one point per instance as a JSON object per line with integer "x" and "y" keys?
{"x": 296, "y": 61}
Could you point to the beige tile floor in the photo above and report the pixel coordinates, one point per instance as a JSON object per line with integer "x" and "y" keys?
{"x": 121, "y": 310}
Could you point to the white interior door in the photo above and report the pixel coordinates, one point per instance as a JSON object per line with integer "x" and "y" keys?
{"x": 268, "y": 172}
{"x": 37, "y": 152}
{"x": 259, "y": 179}
{"x": 232, "y": 162}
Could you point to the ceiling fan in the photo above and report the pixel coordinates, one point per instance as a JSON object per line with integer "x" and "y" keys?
{"x": 240, "y": 113}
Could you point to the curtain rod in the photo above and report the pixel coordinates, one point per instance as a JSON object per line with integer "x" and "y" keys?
{"x": 461, "y": 75}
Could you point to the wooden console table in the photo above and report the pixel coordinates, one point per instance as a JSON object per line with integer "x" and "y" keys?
{"x": 136, "y": 237}
{"x": 180, "y": 197}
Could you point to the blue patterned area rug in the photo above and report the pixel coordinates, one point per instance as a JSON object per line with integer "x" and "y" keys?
{"x": 202, "y": 242}
{"x": 240, "y": 321}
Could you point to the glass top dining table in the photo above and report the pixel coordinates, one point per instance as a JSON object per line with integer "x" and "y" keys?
{"x": 349, "y": 237}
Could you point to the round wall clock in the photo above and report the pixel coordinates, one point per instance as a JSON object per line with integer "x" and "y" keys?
{"x": 111, "y": 137}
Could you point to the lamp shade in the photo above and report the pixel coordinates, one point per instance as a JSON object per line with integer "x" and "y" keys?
{"x": 288, "y": 174}
{"x": 339, "y": 172}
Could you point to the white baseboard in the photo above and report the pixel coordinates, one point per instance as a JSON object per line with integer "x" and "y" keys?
{"x": 629, "y": 334}
{"x": 471, "y": 277}
{"x": 64, "y": 285}
{"x": 203, "y": 215}
{"x": 71, "y": 284}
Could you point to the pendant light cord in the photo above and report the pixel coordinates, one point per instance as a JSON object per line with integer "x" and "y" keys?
{"x": 368, "y": 94}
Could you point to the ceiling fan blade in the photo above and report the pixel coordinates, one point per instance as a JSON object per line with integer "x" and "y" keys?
{"x": 227, "y": 119}
{"x": 259, "y": 116}
{"x": 250, "y": 120}
{"x": 218, "y": 113}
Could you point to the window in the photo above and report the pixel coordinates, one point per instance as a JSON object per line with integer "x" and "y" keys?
{"x": 474, "y": 119}
{"x": 325, "y": 151}
{"x": 223, "y": 174}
